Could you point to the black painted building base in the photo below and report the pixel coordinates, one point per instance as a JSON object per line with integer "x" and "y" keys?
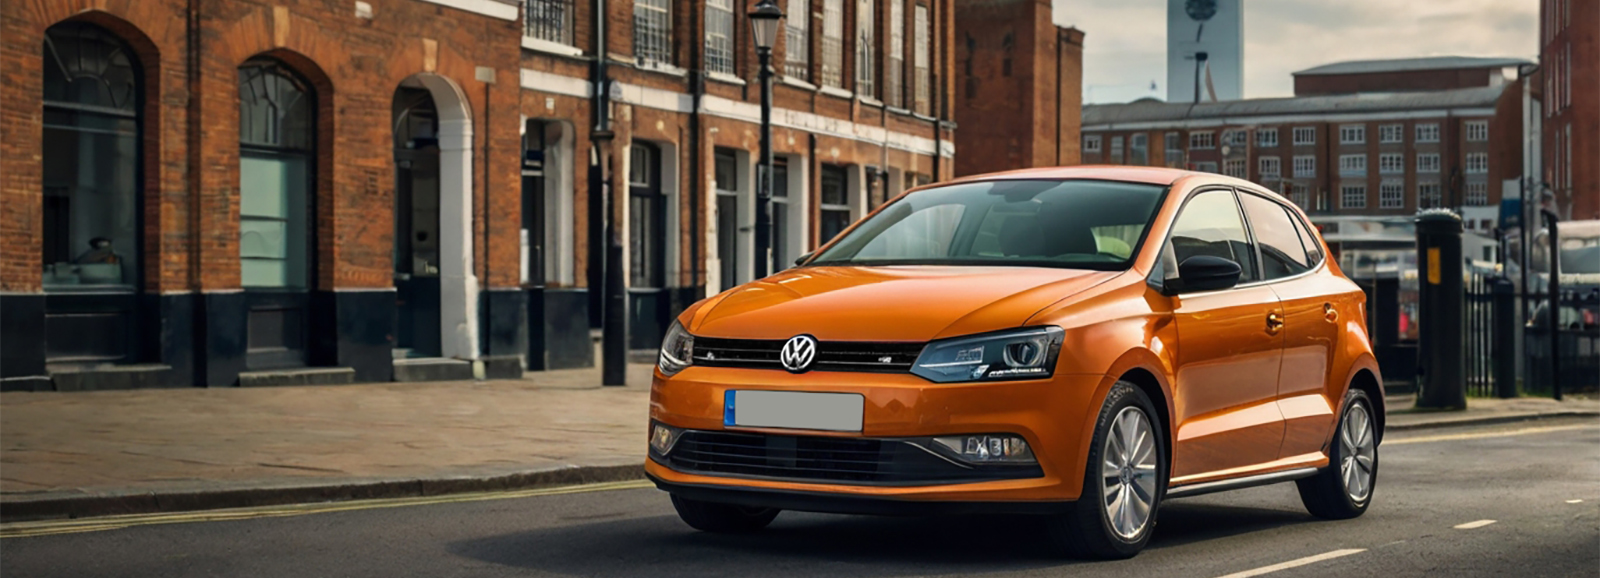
{"x": 503, "y": 334}
{"x": 558, "y": 329}
{"x": 160, "y": 346}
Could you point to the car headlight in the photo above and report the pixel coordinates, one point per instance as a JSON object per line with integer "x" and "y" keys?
{"x": 677, "y": 350}
{"x": 1028, "y": 353}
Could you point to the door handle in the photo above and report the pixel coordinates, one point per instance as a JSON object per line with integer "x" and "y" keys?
{"x": 1274, "y": 323}
{"x": 1329, "y": 313}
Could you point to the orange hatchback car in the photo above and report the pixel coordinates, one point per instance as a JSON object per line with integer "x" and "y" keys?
{"x": 1081, "y": 342}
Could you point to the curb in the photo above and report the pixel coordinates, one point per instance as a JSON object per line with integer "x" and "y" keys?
{"x": 1491, "y": 420}
{"x": 149, "y": 503}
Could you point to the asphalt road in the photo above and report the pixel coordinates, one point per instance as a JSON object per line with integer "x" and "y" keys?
{"x": 1524, "y": 477}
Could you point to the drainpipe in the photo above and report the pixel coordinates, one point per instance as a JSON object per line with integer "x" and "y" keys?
{"x": 614, "y": 324}
{"x": 697, "y": 184}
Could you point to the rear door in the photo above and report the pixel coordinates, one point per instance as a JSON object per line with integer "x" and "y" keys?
{"x": 1229, "y": 350}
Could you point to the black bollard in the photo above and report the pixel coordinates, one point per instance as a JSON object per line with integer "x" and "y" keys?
{"x": 1505, "y": 337}
{"x": 1441, "y": 362}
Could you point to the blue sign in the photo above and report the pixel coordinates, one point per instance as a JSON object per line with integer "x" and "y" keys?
{"x": 1510, "y": 213}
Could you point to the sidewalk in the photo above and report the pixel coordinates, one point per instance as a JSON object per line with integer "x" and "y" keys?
{"x": 112, "y": 452}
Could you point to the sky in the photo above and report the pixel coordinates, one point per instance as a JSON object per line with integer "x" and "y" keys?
{"x": 1125, "y": 42}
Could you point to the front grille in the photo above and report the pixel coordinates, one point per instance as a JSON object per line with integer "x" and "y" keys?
{"x": 861, "y": 356}
{"x": 863, "y": 461}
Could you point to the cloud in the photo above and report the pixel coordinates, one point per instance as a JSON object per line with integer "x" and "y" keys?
{"x": 1125, "y": 46}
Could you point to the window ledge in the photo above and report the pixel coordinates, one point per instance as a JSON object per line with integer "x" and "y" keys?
{"x": 661, "y": 68}
{"x": 797, "y": 83}
{"x": 556, "y": 48}
{"x": 869, "y": 101}
{"x": 725, "y": 78}
{"x": 839, "y": 92}
{"x": 898, "y": 110}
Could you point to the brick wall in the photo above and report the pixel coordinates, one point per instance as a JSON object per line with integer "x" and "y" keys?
{"x": 1019, "y": 92}
{"x": 1411, "y": 80}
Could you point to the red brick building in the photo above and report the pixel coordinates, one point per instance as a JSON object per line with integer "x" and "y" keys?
{"x": 1387, "y": 153}
{"x": 223, "y": 192}
{"x": 1404, "y": 75}
{"x": 1569, "y": 62}
{"x": 1019, "y": 87}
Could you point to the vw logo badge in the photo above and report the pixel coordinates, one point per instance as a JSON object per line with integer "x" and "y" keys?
{"x": 797, "y": 353}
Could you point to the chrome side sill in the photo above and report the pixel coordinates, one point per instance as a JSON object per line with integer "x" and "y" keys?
{"x": 1240, "y": 483}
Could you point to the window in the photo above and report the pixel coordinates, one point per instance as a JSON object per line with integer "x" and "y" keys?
{"x": 1139, "y": 150}
{"x": 1091, "y": 143}
{"x": 1392, "y": 163}
{"x": 866, "y": 49}
{"x": 1392, "y": 133}
{"x": 1202, "y": 140}
{"x": 1206, "y": 167}
{"x": 1428, "y": 196}
{"x": 1477, "y": 193}
{"x": 1353, "y": 164}
{"x": 1428, "y": 132}
{"x": 920, "y": 56}
{"x": 1173, "y": 151}
{"x": 1353, "y": 197}
{"x": 1282, "y": 253}
{"x": 1235, "y": 137}
{"x": 1210, "y": 225}
{"x": 1267, "y": 137}
{"x": 1477, "y": 162}
{"x": 1235, "y": 168}
{"x": 90, "y": 159}
{"x": 1116, "y": 150}
{"x": 1478, "y": 130}
{"x": 927, "y": 233}
{"x": 1305, "y": 167}
{"x": 1305, "y": 135}
{"x": 782, "y": 246}
{"x": 797, "y": 40}
{"x": 547, "y": 204}
{"x": 1270, "y": 167}
{"x": 833, "y": 43}
{"x": 1567, "y": 162}
{"x": 1300, "y": 196}
{"x": 647, "y": 218}
{"x": 652, "y": 31}
{"x": 1428, "y": 163}
{"x": 719, "y": 36}
{"x": 893, "y": 72}
{"x": 1353, "y": 134}
{"x": 275, "y": 159}
{"x": 1391, "y": 195}
{"x": 835, "y": 201}
{"x": 1307, "y": 240}
{"x": 726, "y": 175}
{"x": 549, "y": 20}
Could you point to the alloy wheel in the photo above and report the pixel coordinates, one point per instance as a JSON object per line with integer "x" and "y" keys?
{"x": 1128, "y": 473}
{"x": 1358, "y": 449}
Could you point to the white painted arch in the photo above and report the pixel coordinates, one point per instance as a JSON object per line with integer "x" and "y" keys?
{"x": 458, "y": 284}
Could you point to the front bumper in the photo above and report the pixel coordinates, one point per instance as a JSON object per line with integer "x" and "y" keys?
{"x": 1052, "y": 415}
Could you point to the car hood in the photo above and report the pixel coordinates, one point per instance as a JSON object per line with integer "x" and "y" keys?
{"x": 898, "y": 303}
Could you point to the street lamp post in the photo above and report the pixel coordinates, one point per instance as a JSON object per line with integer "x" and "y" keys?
{"x": 764, "y": 20}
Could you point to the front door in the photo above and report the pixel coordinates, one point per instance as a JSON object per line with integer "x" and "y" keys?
{"x": 727, "y": 217}
{"x": 1229, "y": 350}
{"x": 647, "y": 239}
{"x": 416, "y": 225}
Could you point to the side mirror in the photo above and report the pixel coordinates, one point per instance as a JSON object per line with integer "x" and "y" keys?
{"x": 803, "y": 258}
{"x": 1204, "y": 273}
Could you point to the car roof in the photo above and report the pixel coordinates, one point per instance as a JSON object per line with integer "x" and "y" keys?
{"x": 1149, "y": 175}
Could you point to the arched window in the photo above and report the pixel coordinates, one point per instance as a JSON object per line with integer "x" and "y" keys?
{"x": 91, "y": 160}
{"x": 276, "y": 158}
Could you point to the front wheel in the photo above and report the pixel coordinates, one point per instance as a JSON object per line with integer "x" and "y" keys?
{"x": 1124, "y": 481}
{"x": 1344, "y": 489}
{"x": 722, "y": 518}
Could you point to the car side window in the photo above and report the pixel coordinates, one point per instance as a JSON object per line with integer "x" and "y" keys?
{"x": 1282, "y": 253}
{"x": 1313, "y": 248}
{"x": 1210, "y": 225}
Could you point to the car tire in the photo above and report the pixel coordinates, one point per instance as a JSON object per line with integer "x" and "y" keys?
{"x": 1330, "y": 494}
{"x": 1088, "y": 530}
{"x": 722, "y": 518}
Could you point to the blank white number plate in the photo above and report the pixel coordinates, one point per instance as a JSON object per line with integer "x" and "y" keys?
{"x": 793, "y": 410}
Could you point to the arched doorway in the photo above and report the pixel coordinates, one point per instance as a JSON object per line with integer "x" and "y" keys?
{"x": 436, "y": 289}
{"x": 277, "y": 238}
{"x": 92, "y": 229}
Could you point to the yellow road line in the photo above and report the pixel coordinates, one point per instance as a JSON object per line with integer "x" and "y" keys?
{"x": 48, "y": 527}
{"x": 1487, "y": 434}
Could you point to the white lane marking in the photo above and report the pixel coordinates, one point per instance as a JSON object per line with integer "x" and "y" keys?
{"x": 1489, "y": 434}
{"x": 1574, "y": 501}
{"x": 1474, "y": 525}
{"x": 1295, "y": 563}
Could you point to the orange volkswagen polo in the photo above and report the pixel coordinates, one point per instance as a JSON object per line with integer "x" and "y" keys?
{"x": 1081, "y": 343}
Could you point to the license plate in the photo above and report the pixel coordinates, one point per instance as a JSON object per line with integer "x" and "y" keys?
{"x": 793, "y": 410}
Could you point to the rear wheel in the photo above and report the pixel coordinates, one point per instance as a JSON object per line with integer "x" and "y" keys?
{"x": 1344, "y": 488}
{"x": 722, "y": 518}
{"x": 1123, "y": 482}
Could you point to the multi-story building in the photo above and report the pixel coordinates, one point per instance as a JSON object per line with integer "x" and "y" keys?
{"x": 1569, "y": 62}
{"x": 1019, "y": 87}
{"x": 1335, "y": 151}
{"x": 223, "y": 192}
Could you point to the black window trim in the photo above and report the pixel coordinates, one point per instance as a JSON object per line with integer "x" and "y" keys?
{"x": 1250, "y": 230}
{"x": 1166, "y": 243}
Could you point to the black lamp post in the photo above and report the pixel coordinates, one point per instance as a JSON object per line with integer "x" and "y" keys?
{"x": 764, "y": 20}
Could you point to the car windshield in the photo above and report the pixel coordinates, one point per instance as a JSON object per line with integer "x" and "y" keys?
{"x": 1083, "y": 224}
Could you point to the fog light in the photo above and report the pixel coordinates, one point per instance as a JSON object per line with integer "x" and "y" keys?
{"x": 987, "y": 448}
{"x": 662, "y": 437}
